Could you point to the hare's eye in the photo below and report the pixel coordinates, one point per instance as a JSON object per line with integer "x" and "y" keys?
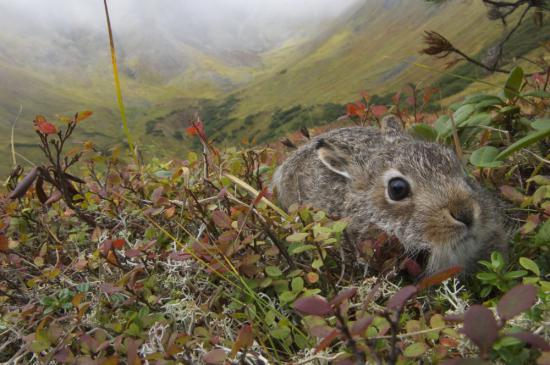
{"x": 398, "y": 188}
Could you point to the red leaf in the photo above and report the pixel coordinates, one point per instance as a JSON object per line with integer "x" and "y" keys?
{"x": 352, "y": 110}
{"x": 411, "y": 100}
{"x": 244, "y": 339}
{"x": 438, "y": 278}
{"x": 43, "y": 126}
{"x": 398, "y": 300}
{"x": 132, "y": 253}
{"x": 396, "y": 98}
{"x": 325, "y": 342}
{"x": 157, "y": 194}
{"x": 132, "y": 351}
{"x": 378, "y": 110}
{"x": 261, "y": 194}
{"x": 428, "y": 93}
{"x": 196, "y": 129}
{"x": 343, "y": 295}
{"x": 24, "y": 185}
{"x": 64, "y": 356}
{"x": 516, "y": 300}
{"x": 320, "y": 331}
{"x": 39, "y": 187}
{"x": 481, "y": 327}
{"x": 360, "y": 326}
{"x": 511, "y": 194}
{"x": 118, "y": 244}
{"x": 221, "y": 219}
{"x": 215, "y": 357}
{"x": 109, "y": 288}
{"x": 55, "y": 197}
{"x": 532, "y": 339}
{"x": 413, "y": 268}
{"x": 314, "y": 305}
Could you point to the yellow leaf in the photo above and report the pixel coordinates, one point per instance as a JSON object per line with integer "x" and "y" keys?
{"x": 83, "y": 115}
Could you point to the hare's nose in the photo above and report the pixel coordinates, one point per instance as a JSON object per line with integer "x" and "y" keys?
{"x": 464, "y": 215}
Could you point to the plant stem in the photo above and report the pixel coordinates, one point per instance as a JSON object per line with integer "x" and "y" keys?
{"x": 117, "y": 84}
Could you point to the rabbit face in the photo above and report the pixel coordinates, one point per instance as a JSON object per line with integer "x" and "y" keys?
{"x": 419, "y": 192}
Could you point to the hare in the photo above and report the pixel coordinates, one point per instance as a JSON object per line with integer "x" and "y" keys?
{"x": 415, "y": 190}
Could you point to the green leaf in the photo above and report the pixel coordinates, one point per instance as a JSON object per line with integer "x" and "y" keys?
{"x": 39, "y": 345}
{"x": 497, "y": 260}
{"x": 540, "y": 180}
{"x": 513, "y": 83}
{"x": 297, "y": 284}
{"x": 479, "y": 120}
{"x": 543, "y": 234}
{"x": 317, "y": 263}
{"x": 529, "y": 265}
{"x": 297, "y": 248}
{"x": 486, "y": 276}
{"x": 443, "y": 125}
{"x": 280, "y": 333}
{"x": 415, "y": 350}
{"x": 163, "y": 174}
{"x": 515, "y": 274}
{"x": 273, "y": 271}
{"x": 509, "y": 109}
{"x": 524, "y": 142}
{"x": 339, "y": 226}
{"x": 541, "y": 124}
{"x": 287, "y": 297}
{"x": 538, "y": 94}
{"x": 424, "y": 131}
{"x": 506, "y": 341}
{"x": 463, "y": 113}
{"x": 477, "y": 98}
{"x": 485, "y": 157}
{"x": 297, "y": 237}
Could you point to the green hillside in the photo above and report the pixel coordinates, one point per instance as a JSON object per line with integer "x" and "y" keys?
{"x": 255, "y": 96}
{"x": 310, "y": 85}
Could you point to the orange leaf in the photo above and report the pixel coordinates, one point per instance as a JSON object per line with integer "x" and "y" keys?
{"x": 63, "y": 118}
{"x": 325, "y": 342}
{"x": 169, "y": 213}
{"x": 351, "y": 110}
{"x": 112, "y": 259}
{"x": 77, "y": 299}
{"x": 80, "y": 116}
{"x": 244, "y": 339}
{"x": 4, "y": 243}
{"x": 438, "y": 277}
{"x": 261, "y": 194}
{"x": 39, "y": 119}
{"x": 196, "y": 129}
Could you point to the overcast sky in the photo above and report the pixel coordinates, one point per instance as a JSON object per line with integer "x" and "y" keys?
{"x": 90, "y": 12}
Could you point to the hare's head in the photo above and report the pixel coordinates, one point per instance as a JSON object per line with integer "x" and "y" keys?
{"x": 420, "y": 192}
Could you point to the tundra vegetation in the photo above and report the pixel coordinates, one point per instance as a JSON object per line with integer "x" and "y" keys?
{"x": 108, "y": 259}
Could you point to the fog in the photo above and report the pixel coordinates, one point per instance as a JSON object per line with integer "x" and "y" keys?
{"x": 253, "y": 24}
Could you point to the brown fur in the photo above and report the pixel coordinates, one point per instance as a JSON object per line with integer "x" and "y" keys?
{"x": 345, "y": 172}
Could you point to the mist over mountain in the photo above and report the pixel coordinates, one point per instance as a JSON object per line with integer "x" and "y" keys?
{"x": 161, "y": 38}
{"x": 250, "y": 59}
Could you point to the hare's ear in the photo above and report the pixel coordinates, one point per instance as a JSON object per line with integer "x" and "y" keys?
{"x": 391, "y": 126}
{"x": 333, "y": 158}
